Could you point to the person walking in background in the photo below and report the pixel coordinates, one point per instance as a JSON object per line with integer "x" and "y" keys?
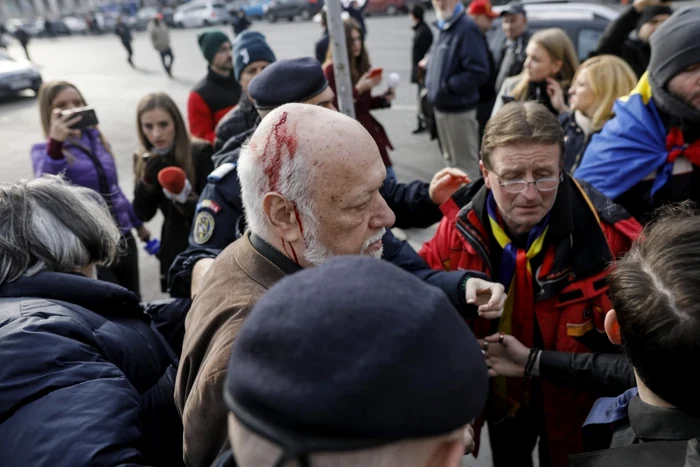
{"x": 481, "y": 13}
{"x": 321, "y": 47}
{"x": 240, "y": 22}
{"x": 160, "y": 38}
{"x": 356, "y": 12}
{"x": 549, "y": 68}
{"x": 85, "y": 159}
{"x": 644, "y": 16}
{"x": 164, "y": 142}
{"x": 122, "y": 30}
{"x": 597, "y": 84}
{"x": 363, "y": 81}
{"x": 457, "y": 66}
{"x": 512, "y": 52}
{"x": 85, "y": 368}
{"x": 23, "y": 38}
{"x": 218, "y": 92}
{"x": 422, "y": 41}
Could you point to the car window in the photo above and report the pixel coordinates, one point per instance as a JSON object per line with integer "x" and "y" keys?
{"x": 198, "y": 8}
{"x": 587, "y": 41}
{"x": 219, "y": 5}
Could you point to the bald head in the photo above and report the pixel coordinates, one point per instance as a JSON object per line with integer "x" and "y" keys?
{"x": 313, "y": 164}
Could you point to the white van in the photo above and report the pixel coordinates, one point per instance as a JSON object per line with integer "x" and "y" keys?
{"x": 201, "y": 13}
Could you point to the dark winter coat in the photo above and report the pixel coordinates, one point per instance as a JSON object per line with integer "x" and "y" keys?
{"x": 457, "y": 67}
{"x": 615, "y": 41}
{"x": 177, "y": 218}
{"x": 85, "y": 379}
{"x": 422, "y": 41}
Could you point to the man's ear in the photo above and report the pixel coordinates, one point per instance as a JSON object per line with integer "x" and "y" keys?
{"x": 612, "y": 327}
{"x": 281, "y": 216}
{"x": 485, "y": 174}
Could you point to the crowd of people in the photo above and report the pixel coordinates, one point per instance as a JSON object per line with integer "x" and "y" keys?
{"x": 554, "y": 306}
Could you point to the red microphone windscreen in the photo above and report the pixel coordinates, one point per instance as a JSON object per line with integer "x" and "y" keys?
{"x": 172, "y": 179}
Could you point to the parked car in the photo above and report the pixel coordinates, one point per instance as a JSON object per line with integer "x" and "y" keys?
{"x": 201, "y": 13}
{"x": 256, "y": 9}
{"x": 17, "y": 75}
{"x": 75, "y": 25}
{"x": 305, "y": 9}
{"x": 32, "y": 27}
{"x": 584, "y": 23}
{"x": 387, "y": 7}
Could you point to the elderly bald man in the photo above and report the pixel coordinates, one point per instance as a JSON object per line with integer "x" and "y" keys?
{"x": 310, "y": 180}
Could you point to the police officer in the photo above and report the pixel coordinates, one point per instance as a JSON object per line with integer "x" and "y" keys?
{"x": 219, "y": 218}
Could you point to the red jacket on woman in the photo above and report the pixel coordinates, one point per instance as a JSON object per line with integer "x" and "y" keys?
{"x": 363, "y": 104}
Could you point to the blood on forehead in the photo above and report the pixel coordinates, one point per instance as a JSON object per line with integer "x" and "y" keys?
{"x": 280, "y": 138}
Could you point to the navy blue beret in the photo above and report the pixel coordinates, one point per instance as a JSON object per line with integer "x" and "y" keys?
{"x": 357, "y": 349}
{"x": 287, "y": 81}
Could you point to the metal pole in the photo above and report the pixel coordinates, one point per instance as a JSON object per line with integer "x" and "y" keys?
{"x": 341, "y": 64}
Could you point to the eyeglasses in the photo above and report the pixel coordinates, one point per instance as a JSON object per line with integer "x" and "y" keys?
{"x": 542, "y": 184}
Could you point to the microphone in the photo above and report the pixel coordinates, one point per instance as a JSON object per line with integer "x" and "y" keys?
{"x": 394, "y": 80}
{"x": 175, "y": 185}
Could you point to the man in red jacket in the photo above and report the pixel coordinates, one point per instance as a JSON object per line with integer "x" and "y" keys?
{"x": 550, "y": 241}
{"x": 218, "y": 92}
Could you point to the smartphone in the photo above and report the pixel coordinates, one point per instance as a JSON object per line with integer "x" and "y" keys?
{"x": 89, "y": 117}
{"x": 374, "y": 72}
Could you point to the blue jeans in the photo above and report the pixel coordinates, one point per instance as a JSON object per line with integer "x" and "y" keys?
{"x": 390, "y": 174}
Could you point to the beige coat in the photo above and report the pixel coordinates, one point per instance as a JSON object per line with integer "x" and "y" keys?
{"x": 160, "y": 35}
{"x": 236, "y": 281}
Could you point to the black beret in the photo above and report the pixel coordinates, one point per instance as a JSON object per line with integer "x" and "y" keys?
{"x": 356, "y": 349}
{"x": 287, "y": 81}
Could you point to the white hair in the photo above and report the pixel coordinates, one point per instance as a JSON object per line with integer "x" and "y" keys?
{"x": 48, "y": 224}
{"x": 295, "y": 184}
{"x": 252, "y": 450}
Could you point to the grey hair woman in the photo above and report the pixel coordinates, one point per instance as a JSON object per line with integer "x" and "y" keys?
{"x": 84, "y": 367}
{"x": 49, "y": 225}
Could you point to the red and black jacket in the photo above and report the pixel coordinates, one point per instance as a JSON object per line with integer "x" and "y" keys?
{"x": 209, "y": 101}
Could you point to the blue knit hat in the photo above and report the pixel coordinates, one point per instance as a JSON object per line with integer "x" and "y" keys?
{"x": 249, "y": 47}
{"x": 210, "y": 42}
{"x": 355, "y": 349}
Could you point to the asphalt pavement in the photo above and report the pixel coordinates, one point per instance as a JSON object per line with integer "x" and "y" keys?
{"x": 98, "y": 66}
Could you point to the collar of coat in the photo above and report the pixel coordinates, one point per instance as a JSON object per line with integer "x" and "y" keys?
{"x": 98, "y": 296}
{"x": 577, "y": 248}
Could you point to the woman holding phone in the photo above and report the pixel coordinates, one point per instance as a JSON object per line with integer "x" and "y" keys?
{"x": 364, "y": 79}
{"x": 83, "y": 156}
{"x": 164, "y": 143}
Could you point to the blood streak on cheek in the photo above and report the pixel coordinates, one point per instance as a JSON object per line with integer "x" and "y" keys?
{"x": 280, "y": 138}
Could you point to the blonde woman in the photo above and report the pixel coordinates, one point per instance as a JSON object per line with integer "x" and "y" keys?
{"x": 549, "y": 68}
{"x": 85, "y": 159}
{"x": 597, "y": 84}
{"x": 165, "y": 142}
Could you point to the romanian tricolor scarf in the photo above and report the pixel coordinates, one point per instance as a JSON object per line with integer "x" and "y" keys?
{"x": 633, "y": 145}
{"x": 516, "y": 275}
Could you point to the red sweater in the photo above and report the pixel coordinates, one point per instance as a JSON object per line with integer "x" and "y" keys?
{"x": 209, "y": 101}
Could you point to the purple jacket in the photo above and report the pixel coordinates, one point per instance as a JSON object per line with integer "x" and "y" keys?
{"x": 83, "y": 171}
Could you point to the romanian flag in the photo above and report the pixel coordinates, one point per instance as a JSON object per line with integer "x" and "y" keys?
{"x": 631, "y": 146}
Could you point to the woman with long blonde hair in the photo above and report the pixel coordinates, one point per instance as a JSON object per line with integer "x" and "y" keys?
{"x": 164, "y": 142}
{"x": 598, "y": 82}
{"x": 363, "y": 82}
{"x": 549, "y": 68}
{"x": 85, "y": 159}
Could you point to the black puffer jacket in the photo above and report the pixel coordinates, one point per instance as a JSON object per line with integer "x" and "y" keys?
{"x": 86, "y": 379}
